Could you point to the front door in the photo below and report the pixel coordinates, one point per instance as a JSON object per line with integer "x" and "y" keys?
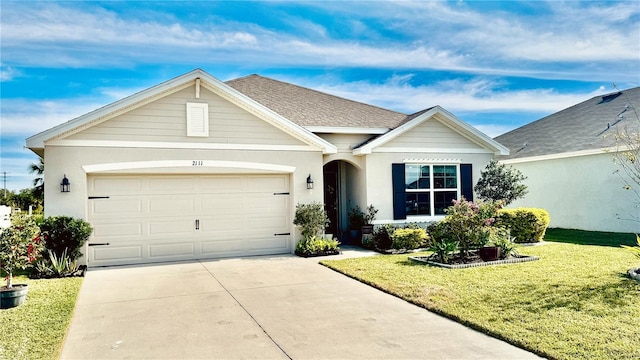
{"x": 331, "y": 197}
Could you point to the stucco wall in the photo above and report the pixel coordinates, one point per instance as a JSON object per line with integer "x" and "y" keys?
{"x": 580, "y": 193}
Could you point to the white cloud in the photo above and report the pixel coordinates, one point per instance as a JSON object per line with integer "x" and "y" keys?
{"x": 564, "y": 42}
{"x": 26, "y": 118}
{"x": 7, "y": 73}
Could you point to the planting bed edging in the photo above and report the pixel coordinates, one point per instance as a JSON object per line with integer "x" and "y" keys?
{"x": 514, "y": 260}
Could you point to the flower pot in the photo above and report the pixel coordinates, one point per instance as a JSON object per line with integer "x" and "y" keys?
{"x": 489, "y": 253}
{"x": 13, "y": 297}
{"x": 367, "y": 229}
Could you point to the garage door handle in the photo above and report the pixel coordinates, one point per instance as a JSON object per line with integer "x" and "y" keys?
{"x": 281, "y": 234}
{"x": 99, "y": 244}
{"x": 197, "y": 224}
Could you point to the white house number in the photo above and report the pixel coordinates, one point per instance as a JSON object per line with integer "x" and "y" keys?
{"x": 197, "y": 163}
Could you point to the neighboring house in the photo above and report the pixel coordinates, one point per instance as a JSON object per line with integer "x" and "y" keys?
{"x": 198, "y": 168}
{"x": 567, "y": 157}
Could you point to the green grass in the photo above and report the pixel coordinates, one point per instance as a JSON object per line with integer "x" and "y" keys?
{"x": 590, "y": 237}
{"x": 574, "y": 303}
{"x": 36, "y": 329}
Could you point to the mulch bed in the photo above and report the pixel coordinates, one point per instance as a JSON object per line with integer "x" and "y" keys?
{"x": 307, "y": 254}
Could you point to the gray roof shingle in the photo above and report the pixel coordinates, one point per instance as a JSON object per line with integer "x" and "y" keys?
{"x": 307, "y": 107}
{"x": 589, "y": 125}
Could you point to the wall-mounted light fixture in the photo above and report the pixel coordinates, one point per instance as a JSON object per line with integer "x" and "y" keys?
{"x": 65, "y": 185}
{"x": 309, "y": 182}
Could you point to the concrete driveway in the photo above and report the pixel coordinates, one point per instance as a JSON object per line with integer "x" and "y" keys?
{"x": 277, "y": 307}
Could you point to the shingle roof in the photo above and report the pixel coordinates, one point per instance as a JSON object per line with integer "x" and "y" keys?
{"x": 589, "y": 125}
{"x": 308, "y": 107}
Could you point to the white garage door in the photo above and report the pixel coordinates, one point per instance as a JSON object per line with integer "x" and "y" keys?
{"x": 153, "y": 218}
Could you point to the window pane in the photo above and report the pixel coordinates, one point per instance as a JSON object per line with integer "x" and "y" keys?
{"x": 418, "y": 204}
{"x": 445, "y": 177}
{"x": 424, "y": 177}
{"x": 411, "y": 176}
{"x": 442, "y": 200}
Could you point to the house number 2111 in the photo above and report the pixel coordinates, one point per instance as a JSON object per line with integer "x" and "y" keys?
{"x": 197, "y": 163}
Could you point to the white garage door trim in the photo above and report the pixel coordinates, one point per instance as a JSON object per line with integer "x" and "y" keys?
{"x": 157, "y": 218}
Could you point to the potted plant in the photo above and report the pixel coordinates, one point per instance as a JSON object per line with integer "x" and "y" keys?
{"x": 367, "y": 219}
{"x": 499, "y": 244}
{"x": 19, "y": 246}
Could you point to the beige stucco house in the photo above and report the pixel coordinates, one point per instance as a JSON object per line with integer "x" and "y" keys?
{"x": 568, "y": 159}
{"x": 198, "y": 168}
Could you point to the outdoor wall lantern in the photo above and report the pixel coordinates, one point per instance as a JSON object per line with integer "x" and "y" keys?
{"x": 309, "y": 182}
{"x": 65, "y": 185}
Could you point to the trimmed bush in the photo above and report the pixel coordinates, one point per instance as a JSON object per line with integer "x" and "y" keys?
{"x": 311, "y": 218}
{"x": 408, "y": 239}
{"x": 526, "y": 225}
{"x": 382, "y": 236}
{"x": 65, "y": 235}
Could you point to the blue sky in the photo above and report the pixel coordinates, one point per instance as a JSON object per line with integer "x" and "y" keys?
{"x": 496, "y": 65}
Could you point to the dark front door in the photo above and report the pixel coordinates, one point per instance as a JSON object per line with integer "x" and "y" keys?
{"x": 331, "y": 197}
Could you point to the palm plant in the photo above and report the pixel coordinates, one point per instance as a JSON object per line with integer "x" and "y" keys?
{"x": 38, "y": 182}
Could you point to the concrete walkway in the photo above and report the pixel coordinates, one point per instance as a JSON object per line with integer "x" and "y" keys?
{"x": 276, "y": 307}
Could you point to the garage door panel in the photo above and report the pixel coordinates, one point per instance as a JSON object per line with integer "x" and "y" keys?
{"x": 221, "y": 204}
{"x": 171, "y": 184}
{"x": 117, "y": 230}
{"x": 220, "y": 224}
{"x": 178, "y": 249}
{"x": 116, "y": 255}
{"x": 174, "y": 227}
{"x": 152, "y": 218}
{"x": 171, "y": 205}
{"x": 222, "y": 184}
{"x": 115, "y": 207}
{"x": 263, "y": 202}
{"x": 268, "y": 243}
{"x": 229, "y": 246}
{"x": 274, "y": 223}
{"x": 116, "y": 185}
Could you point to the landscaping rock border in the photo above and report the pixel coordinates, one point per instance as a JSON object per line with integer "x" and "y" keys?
{"x": 635, "y": 274}
{"x": 513, "y": 260}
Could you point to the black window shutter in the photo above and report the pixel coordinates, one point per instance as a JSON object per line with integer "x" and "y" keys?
{"x": 399, "y": 196}
{"x": 466, "y": 179}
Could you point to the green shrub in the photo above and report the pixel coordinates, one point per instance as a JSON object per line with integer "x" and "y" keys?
{"x": 316, "y": 245}
{"x": 382, "y": 236}
{"x": 408, "y": 239}
{"x": 65, "y": 235}
{"x": 443, "y": 249}
{"x": 311, "y": 218}
{"x": 526, "y": 225}
{"x": 501, "y": 237}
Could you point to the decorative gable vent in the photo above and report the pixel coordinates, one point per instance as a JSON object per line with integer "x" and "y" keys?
{"x": 197, "y": 119}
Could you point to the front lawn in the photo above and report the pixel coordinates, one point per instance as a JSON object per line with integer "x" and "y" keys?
{"x": 590, "y": 237}
{"x": 36, "y": 329}
{"x": 575, "y": 302}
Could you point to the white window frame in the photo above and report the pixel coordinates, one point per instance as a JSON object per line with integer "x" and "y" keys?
{"x": 432, "y": 190}
{"x": 194, "y": 109}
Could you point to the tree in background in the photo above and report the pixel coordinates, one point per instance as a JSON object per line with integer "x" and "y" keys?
{"x": 627, "y": 153}
{"x": 500, "y": 183}
{"x": 38, "y": 182}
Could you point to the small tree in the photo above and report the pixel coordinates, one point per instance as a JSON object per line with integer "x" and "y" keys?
{"x": 499, "y": 183}
{"x": 311, "y": 218}
{"x": 19, "y": 245}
